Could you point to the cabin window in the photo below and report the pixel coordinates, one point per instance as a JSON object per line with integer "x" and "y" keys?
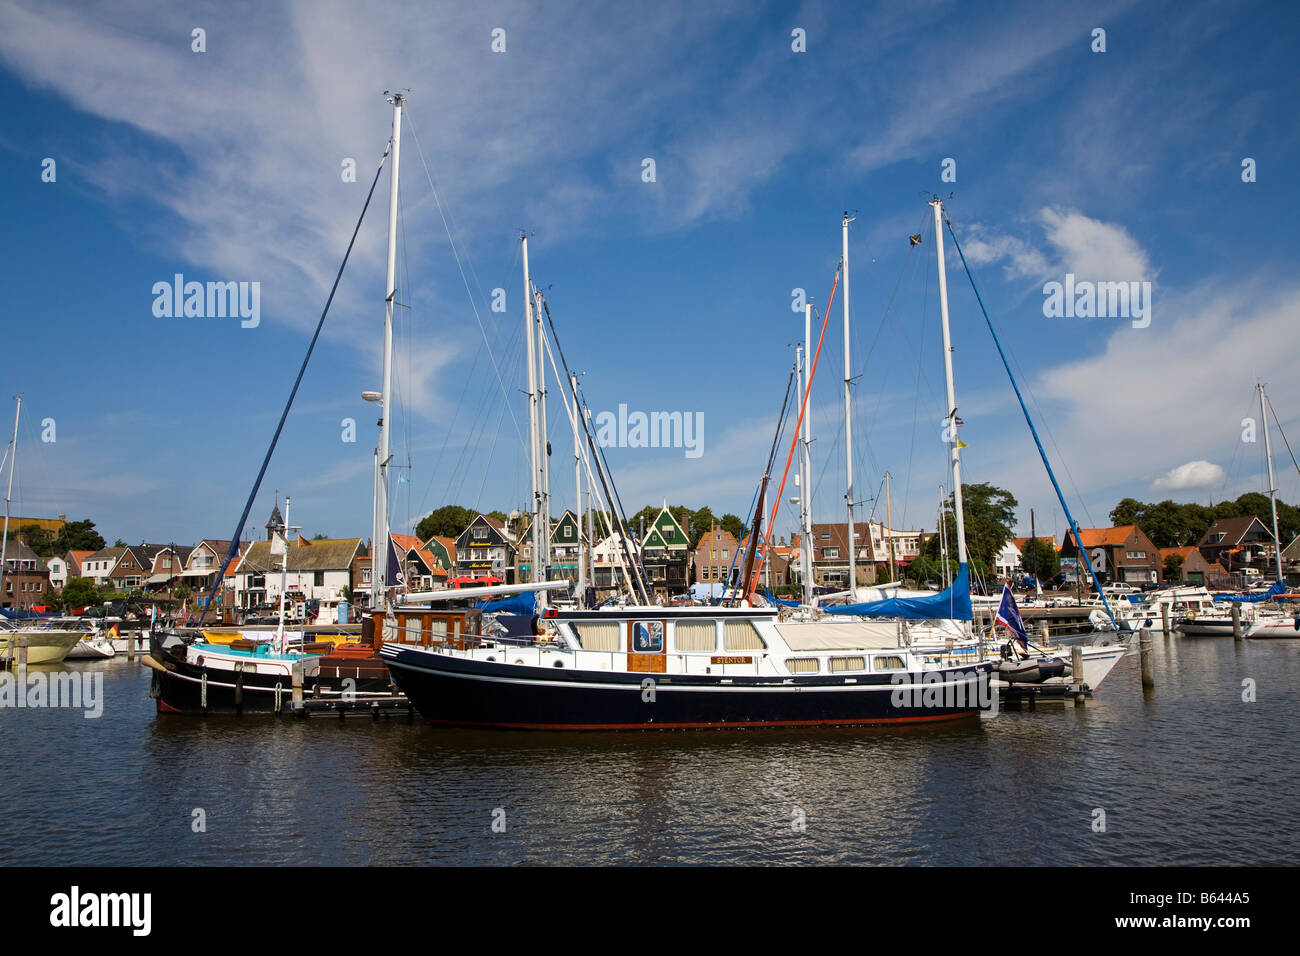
{"x": 888, "y": 664}
{"x": 741, "y": 636}
{"x": 648, "y": 637}
{"x": 803, "y": 665}
{"x": 696, "y": 636}
{"x": 597, "y": 635}
{"x": 848, "y": 664}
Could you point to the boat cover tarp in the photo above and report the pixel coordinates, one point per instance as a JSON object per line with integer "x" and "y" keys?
{"x": 777, "y": 600}
{"x": 1268, "y": 595}
{"x": 951, "y": 603}
{"x": 523, "y": 603}
{"x": 839, "y": 636}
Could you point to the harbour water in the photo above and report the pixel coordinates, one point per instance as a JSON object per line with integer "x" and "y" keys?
{"x": 1187, "y": 774}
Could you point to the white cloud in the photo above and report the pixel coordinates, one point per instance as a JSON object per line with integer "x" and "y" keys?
{"x": 1092, "y": 249}
{"x": 1192, "y": 476}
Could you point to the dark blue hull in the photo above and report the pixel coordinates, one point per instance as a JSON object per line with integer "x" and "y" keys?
{"x": 472, "y": 693}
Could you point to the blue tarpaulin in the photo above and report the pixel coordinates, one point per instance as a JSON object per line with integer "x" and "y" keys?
{"x": 523, "y": 603}
{"x": 952, "y": 603}
{"x": 1268, "y": 595}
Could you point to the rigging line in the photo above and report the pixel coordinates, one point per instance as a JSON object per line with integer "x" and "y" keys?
{"x": 473, "y": 305}
{"x": 460, "y": 402}
{"x": 1083, "y": 552}
{"x": 1277, "y": 422}
{"x": 239, "y": 528}
{"x": 487, "y": 466}
{"x": 803, "y": 408}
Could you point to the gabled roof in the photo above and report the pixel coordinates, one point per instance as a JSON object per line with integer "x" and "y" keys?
{"x": 1021, "y": 542}
{"x": 1232, "y": 529}
{"x": 327, "y": 554}
{"x": 1105, "y": 537}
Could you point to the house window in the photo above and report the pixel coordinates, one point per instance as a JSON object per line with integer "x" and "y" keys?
{"x": 318, "y": 579}
{"x": 831, "y": 552}
{"x": 1136, "y": 555}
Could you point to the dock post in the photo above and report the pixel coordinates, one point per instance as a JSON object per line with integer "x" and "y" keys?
{"x": 21, "y": 666}
{"x": 1148, "y": 671}
{"x": 1236, "y": 621}
{"x": 297, "y": 686}
{"x": 1164, "y": 618}
{"x": 1045, "y": 631}
{"x": 1076, "y": 672}
{"x": 130, "y": 647}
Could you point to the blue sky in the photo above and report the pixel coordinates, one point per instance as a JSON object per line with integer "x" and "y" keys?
{"x": 1123, "y": 165}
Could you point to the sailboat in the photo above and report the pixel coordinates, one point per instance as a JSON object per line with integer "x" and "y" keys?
{"x": 942, "y": 623}
{"x": 1280, "y": 626}
{"x": 251, "y": 674}
{"x": 643, "y": 666}
{"x": 45, "y": 645}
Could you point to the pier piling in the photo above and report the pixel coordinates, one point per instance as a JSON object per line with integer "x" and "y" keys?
{"x": 21, "y": 665}
{"x": 1148, "y": 669}
{"x": 1164, "y": 618}
{"x": 1076, "y": 673}
{"x": 297, "y": 685}
{"x": 1236, "y": 622}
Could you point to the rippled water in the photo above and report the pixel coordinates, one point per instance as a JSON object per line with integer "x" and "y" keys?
{"x": 1186, "y": 774}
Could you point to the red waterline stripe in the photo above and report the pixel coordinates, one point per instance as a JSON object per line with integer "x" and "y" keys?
{"x": 850, "y": 722}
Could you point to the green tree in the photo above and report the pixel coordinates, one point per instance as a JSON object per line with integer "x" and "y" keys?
{"x": 79, "y": 592}
{"x": 38, "y": 539}
{"x": 702, "y": 520}
{"x": 732, "y": 525}
{"x": 78, "y": 536}
{"x": 1040, "y": 559}
{"x": 990, "y": 514}
{"x": 1127, "y": 511}
{"x": 445, "y": 522}
{"x": 1173, "y": 568}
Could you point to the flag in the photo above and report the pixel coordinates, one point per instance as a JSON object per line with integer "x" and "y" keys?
{"x": 278, "y": 544}
{"x": 1009, "y": 617}
{"x": 958, "y": 422}
{"x": 961, "y": 444}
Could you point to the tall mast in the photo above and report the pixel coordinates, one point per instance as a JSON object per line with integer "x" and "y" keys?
{"x": 805, "y": 464}
{"x": 13, "y": 455}
{"x": 284, "y": 574}
{"x": 958, "y": 511}
{"x": 379, "y": 558}
{"x": 529, "y": 334}
{"x": 1272, "y": 485}
{"x": 848, "y": 419}
{"x": 577, "y": 482}
{"x": 543, "y": 449}
{"x": 889, "y": 527}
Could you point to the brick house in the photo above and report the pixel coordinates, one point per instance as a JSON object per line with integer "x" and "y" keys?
{"x": 1195, "y": 569}
{"x": 27, "y": 578}
{"x": 1244, "y": 546}
{"x": 1120, "y": 555}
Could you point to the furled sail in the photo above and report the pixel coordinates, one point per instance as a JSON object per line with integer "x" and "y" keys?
{"x": 1268, "y": 595}
{"x": 952, "y": 603}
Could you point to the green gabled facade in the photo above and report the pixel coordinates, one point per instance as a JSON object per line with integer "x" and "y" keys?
{"x": 666, "y": 554}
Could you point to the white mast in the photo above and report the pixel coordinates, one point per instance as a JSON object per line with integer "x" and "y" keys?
{"x": 543, "y": 450}
{"x": 379, "y": 556}
{"x": 284, "y": 573}
{"x": 577, "y": 483}
{"x": 529, "y": 334}
{"x": 1272, "y": 485}
{"x": 13, "y": 455}
{"x": 951, "y": 417}
{"x": 805, "y": 492}
{"x": 848, "y": 421}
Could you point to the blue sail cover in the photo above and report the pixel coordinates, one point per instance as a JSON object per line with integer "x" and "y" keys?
{"x": 522, "y": 603}
{"x": 776, "y": 600}
{"x": 951, "y": 603}
{"x": 1268, "y": 595}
